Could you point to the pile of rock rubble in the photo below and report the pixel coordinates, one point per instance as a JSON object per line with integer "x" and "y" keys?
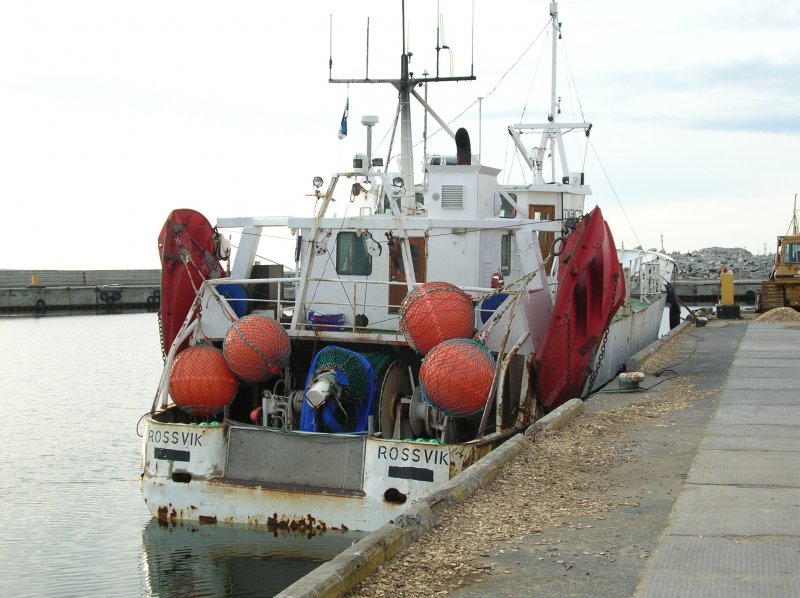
{"x": 708, "y": 263}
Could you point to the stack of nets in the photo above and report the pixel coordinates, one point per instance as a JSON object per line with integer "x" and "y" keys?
{"x": 357, "y": 374}
{"x": 359, "y": 381}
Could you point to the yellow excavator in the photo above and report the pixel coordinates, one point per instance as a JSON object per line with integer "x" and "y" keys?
{"x": 783, "y": 287}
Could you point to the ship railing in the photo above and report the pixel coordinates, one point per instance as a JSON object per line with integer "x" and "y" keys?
{"x": 270, "y": 296}
{"x": 648, "y": 271}
{"x": 162, "y": 393}
{"x": 281, "y": 307}
{"x": 359, "y": 313}
{"x": 343, "y": 331}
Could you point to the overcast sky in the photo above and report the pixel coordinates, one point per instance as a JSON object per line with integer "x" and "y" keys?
{"x": 112, "y": 114}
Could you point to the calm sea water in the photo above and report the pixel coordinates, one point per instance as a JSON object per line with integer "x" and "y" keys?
{"x": 73, "y": 521}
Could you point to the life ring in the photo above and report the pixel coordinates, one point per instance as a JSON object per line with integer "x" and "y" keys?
{"x": 41, "y": 306}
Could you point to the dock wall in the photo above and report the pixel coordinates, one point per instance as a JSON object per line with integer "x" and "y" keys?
{"x": 707, "y": 292}
{"x": 65, "y": 292}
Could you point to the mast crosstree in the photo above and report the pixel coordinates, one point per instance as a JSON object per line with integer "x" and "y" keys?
{"x": 405, "y": 87}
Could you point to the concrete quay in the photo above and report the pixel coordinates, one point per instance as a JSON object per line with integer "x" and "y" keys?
{"x": 67, "y": 292}
{"x": 735, "y": 528}
{"x": 707, "y": 291}
{"x": 708, "y": 505}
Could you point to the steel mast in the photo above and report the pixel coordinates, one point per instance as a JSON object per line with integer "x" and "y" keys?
{"x": 405, "y": 87}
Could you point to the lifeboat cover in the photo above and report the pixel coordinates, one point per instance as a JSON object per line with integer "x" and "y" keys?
{"x": 591, "y": 288}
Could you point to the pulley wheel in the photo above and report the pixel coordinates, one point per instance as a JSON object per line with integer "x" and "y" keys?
{"x": 395, "y": 385}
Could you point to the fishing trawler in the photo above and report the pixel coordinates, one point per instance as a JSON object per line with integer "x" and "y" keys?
{"x": 430, "y": 323}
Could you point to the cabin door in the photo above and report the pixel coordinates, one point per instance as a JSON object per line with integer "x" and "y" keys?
{"x": 546, "y": 239}
{"x": 397, "y": 272}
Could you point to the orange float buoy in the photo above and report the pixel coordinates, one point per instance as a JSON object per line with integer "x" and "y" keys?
{"x": 256, "y": 347}
{"x": 436, "y": 312}
{"x": 456, "y": 377}
{"x": 201, "y": 382}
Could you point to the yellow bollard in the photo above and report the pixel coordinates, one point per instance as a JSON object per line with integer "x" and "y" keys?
{"x": 34, "y": 280}
{"x": 726, "y": 288}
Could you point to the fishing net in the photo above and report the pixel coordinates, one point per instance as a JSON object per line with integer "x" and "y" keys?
{"x": 456, "y": 377}
{"x": 360, "y": 381}
{"x": 357, "y": 374}
{"x": 256, "y": 347}
{"x": 436, "y": 312}
{"x": 201, "y": 382}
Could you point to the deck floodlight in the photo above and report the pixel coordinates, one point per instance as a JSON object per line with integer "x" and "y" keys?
{"x": 318, "y": 182}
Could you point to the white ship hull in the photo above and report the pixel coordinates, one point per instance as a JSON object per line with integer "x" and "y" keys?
{"x": 289, "y": 480}
{"x": 628, "y": 335}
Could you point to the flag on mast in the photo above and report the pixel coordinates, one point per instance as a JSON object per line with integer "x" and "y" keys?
{"x": 343, "y": 126}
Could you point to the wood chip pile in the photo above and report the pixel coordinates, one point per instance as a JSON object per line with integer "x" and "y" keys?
{"x": 560, "y": 478}
{"x": 779, "y": 314}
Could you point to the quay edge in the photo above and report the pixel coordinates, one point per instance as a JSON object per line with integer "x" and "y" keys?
{"x": 78, "y": 292}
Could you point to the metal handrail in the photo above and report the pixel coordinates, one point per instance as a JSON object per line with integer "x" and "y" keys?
{"x": 350, "y": 308}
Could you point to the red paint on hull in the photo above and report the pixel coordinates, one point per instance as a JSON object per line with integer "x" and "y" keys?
{"x": 591, "y": 288}
{"x": 186, "y": 249}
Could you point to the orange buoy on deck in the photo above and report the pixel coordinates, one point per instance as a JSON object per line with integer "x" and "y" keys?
{"x": 201, "y": 382}
{"x": 256, "y": 347}
{"x": 456, "y": 377}
{"x": 436, "y": 312}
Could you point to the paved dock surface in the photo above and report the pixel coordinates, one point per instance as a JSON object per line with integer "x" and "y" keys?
{"x": 735, "y": 528}
{"x": 709, "y": 505}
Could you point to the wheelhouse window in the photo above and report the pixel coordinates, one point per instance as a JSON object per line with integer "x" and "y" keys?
{"x": 505, "y": 254}
{"x": 506, "y": 209}
{"x": 352, "y": 257}
{"x": 791, "y": 255}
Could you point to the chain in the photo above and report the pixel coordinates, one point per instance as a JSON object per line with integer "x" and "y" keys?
{"x": 596, "y": 369}
{"x": 161, "y": 336}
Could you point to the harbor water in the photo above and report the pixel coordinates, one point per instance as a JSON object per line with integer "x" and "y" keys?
{"x": 73, "y": 518}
